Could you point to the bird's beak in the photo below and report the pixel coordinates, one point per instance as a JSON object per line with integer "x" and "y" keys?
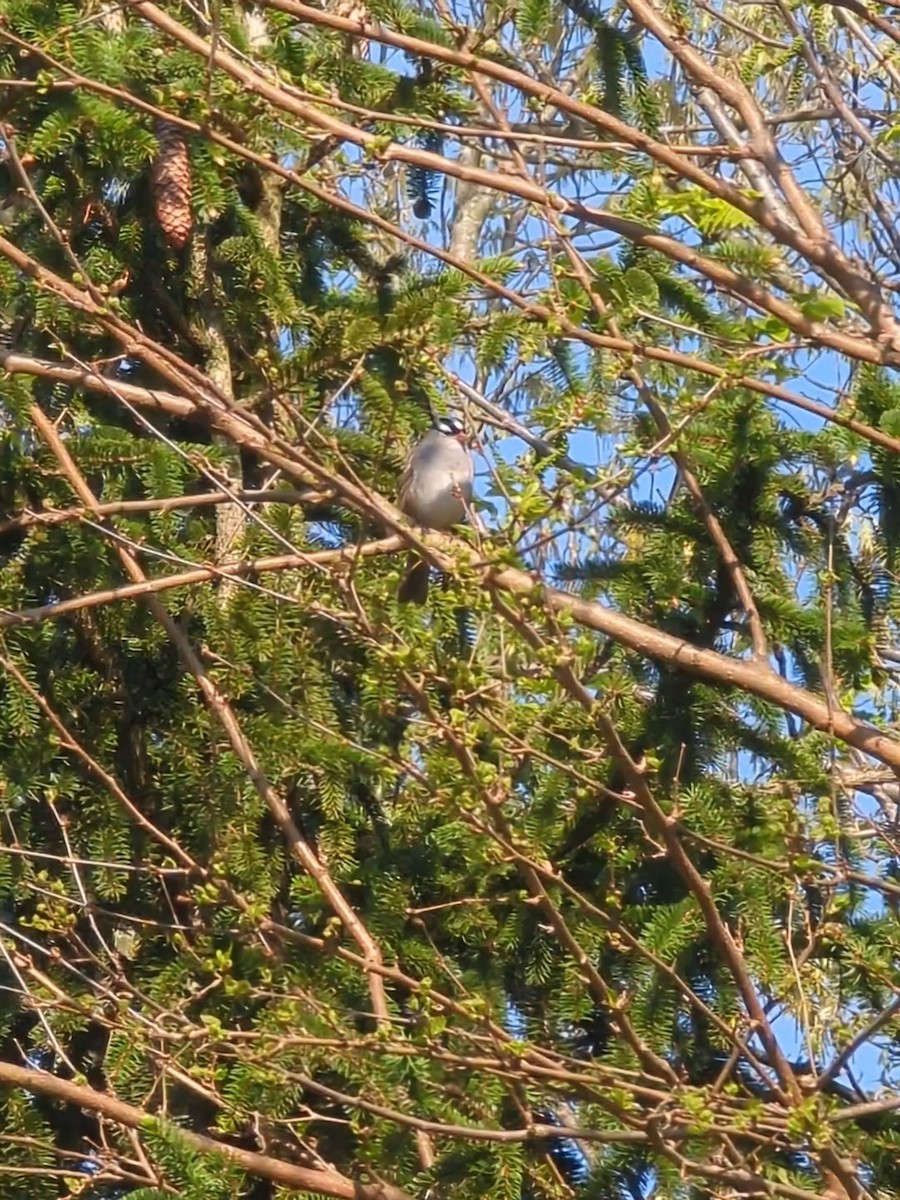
{"x": 469, "y": 440}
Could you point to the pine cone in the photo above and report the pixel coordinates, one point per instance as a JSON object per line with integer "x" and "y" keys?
{"x": 171, "y": 182}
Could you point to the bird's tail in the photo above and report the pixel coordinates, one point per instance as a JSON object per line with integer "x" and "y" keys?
{"x": 414, "y": 584}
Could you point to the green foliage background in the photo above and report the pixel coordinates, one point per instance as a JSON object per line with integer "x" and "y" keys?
{"x": 472, "y": 780}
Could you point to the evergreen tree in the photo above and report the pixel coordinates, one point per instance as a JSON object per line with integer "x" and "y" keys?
{"x": 581, "y": 881}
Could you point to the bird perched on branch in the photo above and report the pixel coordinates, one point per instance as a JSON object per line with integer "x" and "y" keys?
{"x": 435, "y": 491}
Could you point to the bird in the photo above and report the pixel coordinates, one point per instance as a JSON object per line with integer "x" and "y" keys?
{"x": 435, "y": 491}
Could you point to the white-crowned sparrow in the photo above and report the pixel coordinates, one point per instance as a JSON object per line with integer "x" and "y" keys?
{"x": 435, "y": 490}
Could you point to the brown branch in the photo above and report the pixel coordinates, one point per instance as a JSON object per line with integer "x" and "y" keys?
{"x": 301, "y": 1179}
{"x": 871, "y": 1108}
{"x": 163, "y": 504}
{"x": 841, "y": 1059}
{"x": 533, "y": 1133}
{"x": 93, "y": 381}
{"x": 880, "y": 23}
{"x": 537, "y": 1132}
{"x": 236, "y": 570}
{"x": 755, "y": 678}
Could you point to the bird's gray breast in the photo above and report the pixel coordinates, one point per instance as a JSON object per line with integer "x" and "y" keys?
{"x": 439, "y": 485}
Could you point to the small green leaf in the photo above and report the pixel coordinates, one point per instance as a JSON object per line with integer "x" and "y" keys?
{"x": 821, "y": 308}
{"x": 775, "y": 329}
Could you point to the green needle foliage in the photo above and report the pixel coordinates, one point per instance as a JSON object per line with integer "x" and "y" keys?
{"x": 303, "y": 891}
